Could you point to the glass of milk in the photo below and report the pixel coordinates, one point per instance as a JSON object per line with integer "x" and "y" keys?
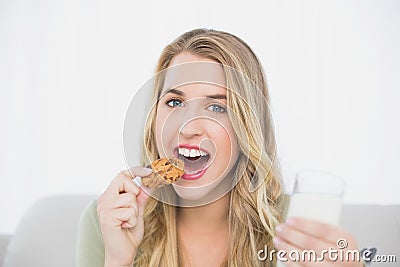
{"x": 317, "y": 196}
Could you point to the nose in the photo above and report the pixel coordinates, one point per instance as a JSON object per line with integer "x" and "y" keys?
{"x": 193, "y": 127}
{"x": 191, "y": 119}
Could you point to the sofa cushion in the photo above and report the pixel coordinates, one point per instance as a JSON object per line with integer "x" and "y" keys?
{"x": 4, "y": 240}
{"x": 374, "y": 226}
{"x": 46, "y": 235}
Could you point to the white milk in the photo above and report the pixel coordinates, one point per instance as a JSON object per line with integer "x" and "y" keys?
{"x": 315, "y": 206}
{"x": 321, "y": 207}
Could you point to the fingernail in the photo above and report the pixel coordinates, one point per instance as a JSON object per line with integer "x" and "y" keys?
{"x": 277, "y": 241}
{"x": 279, "y": 228}
{"x": 291, "y": 221}
{"x": 126, "y": 225}
{"x": 147, "y": 170}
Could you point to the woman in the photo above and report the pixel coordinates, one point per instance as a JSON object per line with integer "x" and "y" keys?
{"x": 223, "y": 212}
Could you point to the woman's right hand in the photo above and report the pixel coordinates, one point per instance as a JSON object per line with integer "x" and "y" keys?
{"x": 120, "y": 211}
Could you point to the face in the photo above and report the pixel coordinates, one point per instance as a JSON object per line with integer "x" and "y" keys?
{"x": 192, "y": 124}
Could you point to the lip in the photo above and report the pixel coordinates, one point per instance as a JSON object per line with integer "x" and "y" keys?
{"x": 196, "y": 176}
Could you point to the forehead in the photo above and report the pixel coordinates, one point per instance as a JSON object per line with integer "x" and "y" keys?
{"x": 189, "y": 71}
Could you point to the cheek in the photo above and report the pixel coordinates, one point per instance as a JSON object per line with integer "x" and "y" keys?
{"x": 233, "y": 149}
{"x": 165, "y": 131}
{"x": 227, "y": 143}
{"x": 160, "y": 132}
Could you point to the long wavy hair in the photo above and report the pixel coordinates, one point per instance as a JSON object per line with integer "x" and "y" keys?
{"x": 253, "y": 214}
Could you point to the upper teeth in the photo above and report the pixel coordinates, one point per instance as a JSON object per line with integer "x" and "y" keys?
{"x": 191, "y": 152}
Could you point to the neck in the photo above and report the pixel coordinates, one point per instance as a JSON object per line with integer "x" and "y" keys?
{"x": 202, "y": 228}
{"x": 212, "y": 216}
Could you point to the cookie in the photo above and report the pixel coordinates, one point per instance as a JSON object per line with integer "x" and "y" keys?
{"x": 165, "y": 172}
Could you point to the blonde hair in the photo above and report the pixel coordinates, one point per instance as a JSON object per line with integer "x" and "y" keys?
{"x": 253, "y": 214}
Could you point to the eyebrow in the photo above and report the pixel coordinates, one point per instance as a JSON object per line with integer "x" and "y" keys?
{"x": 178, "y": 92}
{"x": 173, "y": 91}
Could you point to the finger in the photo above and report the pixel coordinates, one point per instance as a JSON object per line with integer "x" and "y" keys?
{"x": 123, "y": 183}
{"x": 126, "y": 225}
{"x": 124, "y": 216}
{"x": 141, "y": 200}
{"x": 282, "y": 245}
{"x": 125, "y": 200}
{"x": 134, "y": 172}
{"x": 319, "y": 230}
{"x": 301, "y": 240}
{"x": 138, "y": 171}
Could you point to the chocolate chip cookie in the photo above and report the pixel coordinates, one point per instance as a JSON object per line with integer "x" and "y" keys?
{"x": 165, "y": 172}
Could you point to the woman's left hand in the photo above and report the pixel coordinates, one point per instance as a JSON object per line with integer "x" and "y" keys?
{"x": 303, "y": 234}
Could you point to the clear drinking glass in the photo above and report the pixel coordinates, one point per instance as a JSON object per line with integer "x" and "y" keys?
{"x": 317, "y": 195}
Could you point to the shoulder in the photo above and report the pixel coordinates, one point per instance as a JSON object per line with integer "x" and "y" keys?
{"x": 89, "y": 219}
{"x": 90, "y": 247}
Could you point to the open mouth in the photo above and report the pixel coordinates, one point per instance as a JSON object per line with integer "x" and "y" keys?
{"x": 196, "y": 160}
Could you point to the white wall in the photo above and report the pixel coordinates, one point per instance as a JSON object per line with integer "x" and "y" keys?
{"x": 68, "y": 70}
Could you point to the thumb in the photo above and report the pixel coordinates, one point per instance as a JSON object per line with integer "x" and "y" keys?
{"x": 142, "y": 199}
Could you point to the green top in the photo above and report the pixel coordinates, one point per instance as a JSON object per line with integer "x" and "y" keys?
{"x": 90, "y": 246}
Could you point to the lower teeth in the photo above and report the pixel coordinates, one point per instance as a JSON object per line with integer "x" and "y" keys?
{"x": 193, "y": 172}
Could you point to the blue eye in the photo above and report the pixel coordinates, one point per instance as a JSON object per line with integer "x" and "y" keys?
{"x": 174, "y": 103}
{"x": 216, "y": 108}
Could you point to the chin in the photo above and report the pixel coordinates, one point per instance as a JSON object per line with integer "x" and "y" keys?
{"x": 196, "y": 194}
{"x": 202, "y": 195}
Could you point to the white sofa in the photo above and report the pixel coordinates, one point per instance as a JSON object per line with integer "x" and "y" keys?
{"x": 46, "y": 235}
